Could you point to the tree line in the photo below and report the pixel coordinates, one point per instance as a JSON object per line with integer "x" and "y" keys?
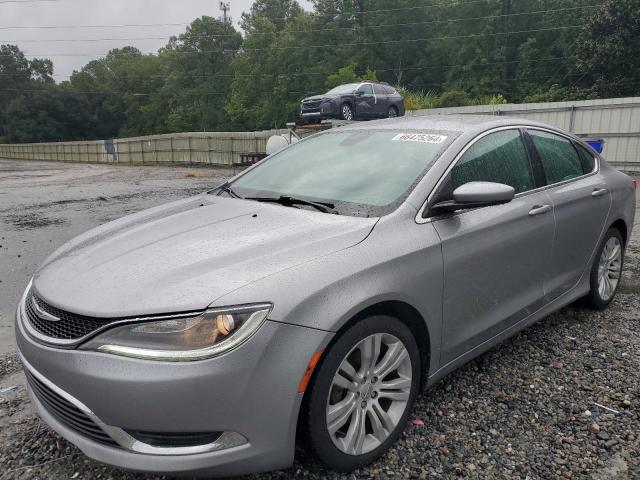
{"x": 216, "y": 77}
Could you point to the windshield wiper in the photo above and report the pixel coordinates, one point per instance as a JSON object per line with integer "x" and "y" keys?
{"x": 229, "y": 191}
{"x": 289, "y": 201}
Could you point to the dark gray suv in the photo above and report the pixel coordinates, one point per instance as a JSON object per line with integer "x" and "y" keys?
{"x": 353, "y": 101}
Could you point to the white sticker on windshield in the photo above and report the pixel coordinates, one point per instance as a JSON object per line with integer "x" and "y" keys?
{"x": 419, "y": 137}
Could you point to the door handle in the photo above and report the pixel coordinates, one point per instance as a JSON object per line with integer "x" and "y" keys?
{"x": 539, "y": 210}
{"x": 598, "y": 192}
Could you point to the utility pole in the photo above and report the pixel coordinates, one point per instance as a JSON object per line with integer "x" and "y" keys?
{"x": 226, "y": 9}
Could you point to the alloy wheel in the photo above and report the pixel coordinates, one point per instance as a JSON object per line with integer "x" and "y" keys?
{"x": 392, "y": 113}
{"x": 609, "y": 268}
{"x": 369, "y": 394}
{"x": 347, "y": 114}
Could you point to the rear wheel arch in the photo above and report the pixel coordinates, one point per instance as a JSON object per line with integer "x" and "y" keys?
{"x": 621, "y": 226}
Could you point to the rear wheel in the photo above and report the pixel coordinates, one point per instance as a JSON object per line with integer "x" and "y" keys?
{"x": 346, "y": 112}
{"x": 606, "y": 270}
{"x": 363, "y": 393}
{"x": 393, "y": 112}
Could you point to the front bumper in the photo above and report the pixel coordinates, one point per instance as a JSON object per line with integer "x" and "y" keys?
{"x": 249, "y": 393}
{"x": 324, "y": 111}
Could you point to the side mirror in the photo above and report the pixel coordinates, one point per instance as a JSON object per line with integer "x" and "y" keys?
{"x": 359, "y": 93}
{"x": 475, "y": 195}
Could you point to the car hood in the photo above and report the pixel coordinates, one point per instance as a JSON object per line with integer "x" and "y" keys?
{"x": 184, "y": 255}
{"x": 322, "y": 97}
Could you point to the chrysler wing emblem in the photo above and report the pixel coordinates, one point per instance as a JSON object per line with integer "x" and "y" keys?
{"x": 42, "y": 314}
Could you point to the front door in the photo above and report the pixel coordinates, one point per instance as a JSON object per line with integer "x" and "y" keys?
{"x": 495, "y": 258}
{"x": 365, "y": 101}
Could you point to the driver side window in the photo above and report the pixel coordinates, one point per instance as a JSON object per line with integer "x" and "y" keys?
{"x": 499, "y": 157}
{"x": 366, "y": 89}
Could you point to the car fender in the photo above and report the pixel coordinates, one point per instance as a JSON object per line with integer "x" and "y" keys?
{"x": 391, "y": 265}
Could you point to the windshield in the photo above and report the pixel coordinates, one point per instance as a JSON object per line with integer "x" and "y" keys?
{"x": 364, "y": 173}
{"x": 342, "y": 89}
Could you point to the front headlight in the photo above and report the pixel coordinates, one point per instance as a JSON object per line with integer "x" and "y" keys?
{"x": 183, "y": 339}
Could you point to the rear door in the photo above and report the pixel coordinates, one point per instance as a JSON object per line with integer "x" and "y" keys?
{"x": 581, "y": 203}
{"x": 495, "y": 258}
{"x": 365, "y": 101}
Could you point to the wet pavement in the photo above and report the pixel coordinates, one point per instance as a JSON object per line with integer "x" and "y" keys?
{"x": 44, "y": 204}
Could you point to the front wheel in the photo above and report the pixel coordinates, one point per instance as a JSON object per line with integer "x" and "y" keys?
{"x": 363, "y": 393}
{"x": 346, "y": 112}
{"x": 606, "y": 270}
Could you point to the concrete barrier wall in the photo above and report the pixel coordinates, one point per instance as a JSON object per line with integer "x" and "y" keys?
{"x": 614, "y": 120}
{"x": 215, "y": 148}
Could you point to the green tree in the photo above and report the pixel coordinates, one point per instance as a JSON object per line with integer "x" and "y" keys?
{"x": 274, "y": 64}
{"x": 47, "y": 113}
{"x": 18, "y": 76}
{"x": 198, "y": 69}
{"x": 607, "y": 60}
{"x": 348, "y": 75}
{"x": 277, "y": 12}
{"x": 117, "y": 88}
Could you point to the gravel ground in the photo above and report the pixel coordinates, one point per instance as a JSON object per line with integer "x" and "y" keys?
{"x": 559, "y": 400}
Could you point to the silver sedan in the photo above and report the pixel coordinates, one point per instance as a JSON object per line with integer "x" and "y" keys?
{"x": 315, "y": 294}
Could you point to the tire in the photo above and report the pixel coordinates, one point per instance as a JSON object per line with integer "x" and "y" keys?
{"x": 606, "y": 271}
{"x": 346, "y": 112}
{"x": 366, "y": 402}
{"x": 392, "y": 112}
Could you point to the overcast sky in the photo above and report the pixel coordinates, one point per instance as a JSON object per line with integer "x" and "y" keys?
{"x": 78, "y": 46}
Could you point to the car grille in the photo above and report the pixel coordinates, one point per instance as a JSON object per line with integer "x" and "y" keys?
{"x": 69, "y": 327}
{"x": 67, "y": 413}
{"x": 311, "y": 105}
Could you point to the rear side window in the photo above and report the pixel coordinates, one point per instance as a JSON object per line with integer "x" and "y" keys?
{"x": 587, "y": 158}
{"x": 499, "y": 157}
{"x": 379, "y": 90}
{"x": 559, "y": 158}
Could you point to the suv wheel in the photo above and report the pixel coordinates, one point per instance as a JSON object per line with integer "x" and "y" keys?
{"x": 346, "y": 112}
{"x": 363, "y": 393}
{"x": 393, "y": 112}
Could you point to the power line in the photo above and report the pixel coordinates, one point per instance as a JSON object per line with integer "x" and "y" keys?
{"x": 387, "y": 42}
{"x": 304, "y": 74}
{"x": 297, "y": 47}
{"x": 314, "y": 30}
{"x": 323, "y": 74}
{"x": 457, "y": 3}
{"x": 120, "y": 25}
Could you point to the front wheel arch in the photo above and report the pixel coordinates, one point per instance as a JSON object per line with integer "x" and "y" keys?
{"x": 318, "y": 441}
{"x": 404, "y": 312}
{"x": 351, "y": 106}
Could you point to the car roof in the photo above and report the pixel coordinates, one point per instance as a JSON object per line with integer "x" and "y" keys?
{"x": 468, "y": 123}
